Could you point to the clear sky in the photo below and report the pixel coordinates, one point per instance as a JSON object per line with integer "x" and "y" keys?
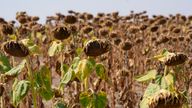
{"x": 43, "y": 8}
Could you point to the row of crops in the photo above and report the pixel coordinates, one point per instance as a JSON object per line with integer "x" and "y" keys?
{"x": 80, "y": 60}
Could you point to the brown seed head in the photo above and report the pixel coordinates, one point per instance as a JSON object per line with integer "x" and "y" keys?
{"x": 22, "y": 19}
{"x": 97, "y": 47}
{"x": 127, "y": 45}
{"x": 162, "y": 21}
{"x": 16, "y": 49}
{"x": 35, "y": 18}
{"x": 70, "y": 19}
{"x": 154, "y": 28}
{"x": 176, "y": 59}
{"x": 143, "y": 27}
{"x": 133, "y": 29}
{"x": 103, "y": 31}
{"x": 6, "y": 29}
{"x": 61, "y": 32}
{"x": 117, "y": 41}
{"x": 87, "y": 29}
{"x": 89, "y": 16}
{"x": 108, "y": 23}
{"x": 166, "y": 99}
{"x": 177, "y": 30}
{"x": 113, "y": 34}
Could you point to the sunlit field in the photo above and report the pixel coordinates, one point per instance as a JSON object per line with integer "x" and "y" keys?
{"x": 103, "y": 60}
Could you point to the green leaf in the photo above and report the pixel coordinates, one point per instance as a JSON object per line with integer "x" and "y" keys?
{"x": 69, "y": 72}
{"x": 60, "y": 105}
{"x": 151, "y": 89}
{"x": 170, "y": 78}
{"x": 168, "y": 82}
{"x": 64, "y": 68}
{"x": 101, "y": 71}
{"x": 164, "y": 83}
{"x": 67, "y": 77}
{"x": 99, "y": 100}
{"x": 144, "y": 103}
{"x": 20, "y": 90}
{"x": 149, "y": 76}
{"x": 79, "y": 51}
{"x": 163, "y": 56}
{"x": 33, "y": 48}
{"x": 158, "y": 79}
{"x": 83, "y": 69}
{"x": 4, "y": 63}
{"x": 43, "y": 82}
{"x": 75, "y": 63}
{"x": 56, "y": 47}
{"x": 85, "y": 99}
{"x": 16, "y": 70}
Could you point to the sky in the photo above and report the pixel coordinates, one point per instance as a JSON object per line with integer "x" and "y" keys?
{"x": 43, "y": 8}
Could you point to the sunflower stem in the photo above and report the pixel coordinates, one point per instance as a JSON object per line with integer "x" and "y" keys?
{"x": 30, "y": 75}
{"x": 165, "y": 70}
{"x": 86, "y": 84}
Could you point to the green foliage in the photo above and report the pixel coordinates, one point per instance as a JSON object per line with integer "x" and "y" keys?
{"x": 69, "y": 73}
{"x": 93, "y": 100}
{"x": 4, "y": 63}
{"x": 101, "y": 71}
{"x": 20, "y": 90}
{"x": 33, "y": 48}
{"x": 55, "y": 48}
{"x": 99, "y": 100}
{"x": 85, "y": 99}
{"x": 67, "y": 77}
{"x": 162, "y": 82}
{"x": 16, "y": 70}
{"x": 149, "y": 76}
{"x": 60, "y": 105}
{"x": 43, "y": 83}
{"x": 150, "y": 91}
{"x": 84, "y": 69}
{"x": 79, "y": 51}
{"x": 168, "y": 82}
{"x": 165, "y": 54}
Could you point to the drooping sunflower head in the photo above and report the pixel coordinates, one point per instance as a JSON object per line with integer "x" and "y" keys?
{"x": 97, "y": 47}
{"x": 16, "y": 49}
{"x": 176, "y": 59}
{"x": 167, "y": 99}
{"x": 61, "y": 32}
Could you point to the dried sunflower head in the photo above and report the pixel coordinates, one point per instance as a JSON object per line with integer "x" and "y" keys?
{"x": 162, "y": 21}
{"x": 16, "y": 49}
{"x": 177, "y": 30}
{"x": 87, "y": 29}
{"x": 167, "y": 99}
{"x": 176, "y": 59}
{"x": 61, "y": 32}
{"x": 103, "y": 31}
{"x": 127, "y": 45}
{"x": 89, "y": 16}
{"x": 22, "y": 19}
{"x": 97, "y": 47}
{"x": 117, "y": 41}
{"x": 143, "y": 27}
{"x": 154, "y": 28}
{"x": 70, "y": 19}
{"x": 114, "y": 34}
{"x": 35, "y": 18}
{"x": 6, "y": 29}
